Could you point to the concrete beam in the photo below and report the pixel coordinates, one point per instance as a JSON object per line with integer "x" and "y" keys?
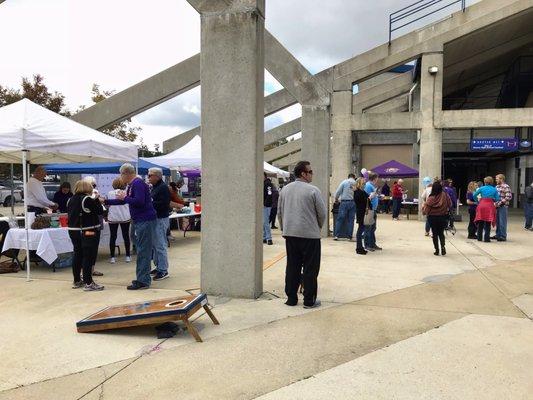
{"x": 288, "y": 161}
{"x": 378, "y": 94}
{"x": 293, "y": 75}
{"x": 380, "y": 138}
{"x": 377, "y": 122}
{"x": 283, "y": 150}
{"x": 428, "y": 39}
{"x": 315, "y": 149}
{"x": 341, "y": 140}
{"x": 142, "y": 96}
{"x": 181, "y": 140}
{"x": 493, "y": 118}
{"x": 396, "y": 105}
{"x": 232, "y": 71}
{"x": 283, "y": 131}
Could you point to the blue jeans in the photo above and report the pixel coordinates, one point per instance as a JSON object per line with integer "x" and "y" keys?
{"x": 160, "y": 244}
{"x": 144, "y": 234}
{"x": 396, "y": 207}
{"x": 345, "y": 219}
{"x": 267, "y": 234}
{"x": 370, "y": 233}
{"x": 427, "y": 228}
{"x": 528, "y": 211}
{"x": 501, "y": 222}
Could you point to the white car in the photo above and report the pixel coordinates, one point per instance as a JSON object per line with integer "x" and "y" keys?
{"x": 5, "y": 196}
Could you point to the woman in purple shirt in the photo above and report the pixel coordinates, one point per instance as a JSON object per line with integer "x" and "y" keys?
{"x": 143, "y": 216}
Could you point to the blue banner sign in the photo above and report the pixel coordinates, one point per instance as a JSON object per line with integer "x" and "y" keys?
{"x": 505, "y": 144}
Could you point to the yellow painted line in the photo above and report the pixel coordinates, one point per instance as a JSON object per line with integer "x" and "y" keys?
{"x": 271, "y": 262}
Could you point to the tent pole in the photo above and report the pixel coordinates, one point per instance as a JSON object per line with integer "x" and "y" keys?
{"x": 26, "y": 227}
{"x": 12, "y": 192}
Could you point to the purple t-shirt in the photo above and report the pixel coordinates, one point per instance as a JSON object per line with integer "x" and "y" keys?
{"x": 139, "y": 199}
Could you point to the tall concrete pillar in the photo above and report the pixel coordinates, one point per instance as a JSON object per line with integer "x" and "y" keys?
{"x": 341, "y": 142}
{"x": 315, "y": 148}
{"x": 431, "y": 108}
{"x": 232, "y": 76}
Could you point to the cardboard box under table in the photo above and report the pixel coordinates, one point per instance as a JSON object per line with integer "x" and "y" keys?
{"x": 148, "y": 313}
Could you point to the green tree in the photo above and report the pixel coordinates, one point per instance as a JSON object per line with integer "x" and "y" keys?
{"x": 36, "y": 91}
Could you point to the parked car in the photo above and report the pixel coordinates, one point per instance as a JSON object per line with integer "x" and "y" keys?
{"x": 5, "y": 195}
{"x": 51, "y": 189}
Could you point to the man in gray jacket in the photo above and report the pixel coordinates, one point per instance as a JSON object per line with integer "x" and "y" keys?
{"x": 302, "y": 213}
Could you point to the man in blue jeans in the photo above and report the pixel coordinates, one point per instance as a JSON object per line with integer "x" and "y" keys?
{"x": 346, "y": 215}
{"x": 143, "y": 216}
{"x": 369, "y": 236}
{"x": 161, "y": 200}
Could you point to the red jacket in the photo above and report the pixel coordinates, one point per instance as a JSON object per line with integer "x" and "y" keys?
{"x": 397, "y": 191}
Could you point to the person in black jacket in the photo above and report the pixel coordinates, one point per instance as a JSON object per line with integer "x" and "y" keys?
{"x": 83, "y": 223}
{"x": 161, "y": 200}
{"x": 360, "y": 197}
{"x": 268, "y": 190}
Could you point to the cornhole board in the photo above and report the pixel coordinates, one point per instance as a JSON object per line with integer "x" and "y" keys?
{"x": 148, "y": 313}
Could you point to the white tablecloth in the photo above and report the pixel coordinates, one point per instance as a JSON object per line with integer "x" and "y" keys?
{"x": 106, "y": 233}
{"x": 182, "y": 215}
{"x": 48, "y": 242}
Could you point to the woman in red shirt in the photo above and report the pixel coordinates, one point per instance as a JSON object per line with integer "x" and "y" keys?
{"x": 397, "y": 198}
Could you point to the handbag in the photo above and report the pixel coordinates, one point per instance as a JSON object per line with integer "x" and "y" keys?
{"x": 369, "y": 216}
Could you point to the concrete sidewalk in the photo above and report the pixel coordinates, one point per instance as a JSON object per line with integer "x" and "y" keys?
{"x": 370, "y": 302}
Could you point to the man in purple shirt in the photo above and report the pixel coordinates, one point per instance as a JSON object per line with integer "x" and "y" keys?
{"x": 143, "y": 216}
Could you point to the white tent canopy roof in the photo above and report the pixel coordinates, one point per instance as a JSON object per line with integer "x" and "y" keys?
{"x": 51, "y": 138}
{"x": 187, "y": 156}
{"x": 190, "y": 156}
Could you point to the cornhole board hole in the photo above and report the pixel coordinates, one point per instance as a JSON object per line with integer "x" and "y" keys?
{"x": 148, "y": 313}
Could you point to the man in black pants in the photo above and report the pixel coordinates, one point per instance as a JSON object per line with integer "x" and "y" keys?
{"x": 302, "y": 213}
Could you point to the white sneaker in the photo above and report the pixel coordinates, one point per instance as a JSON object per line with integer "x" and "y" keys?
{"x": 128, "y": 259}
{"x": 112, "y": 260}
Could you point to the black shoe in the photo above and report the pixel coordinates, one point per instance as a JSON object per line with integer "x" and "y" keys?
{"x": 501, "y": 240}
{"x": 136, "y": 285}
{"x": 472, "y": 237}
{"x": 376, "y": 247}
{"x": 316, "y": 304}
{"x": 436, "y": 252}
{"x": 370, "y": 249}
{"x": 291, "y": 303}
{"x": 269, "y": 242}
{"x": 264, "y": 241}
{"x": 361, "y": 251}
{"x": 153, "y": 272}
{"x": 494, "y": 237}
{"x": 160, "y": 276}
{"x": 443, "y": 251}
{"x": 273, "y": 227}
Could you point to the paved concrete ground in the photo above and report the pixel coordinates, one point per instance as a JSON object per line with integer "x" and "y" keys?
{"x": 378, "y": 310}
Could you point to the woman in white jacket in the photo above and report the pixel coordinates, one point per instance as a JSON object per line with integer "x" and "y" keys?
{"x": 118, "y": 215}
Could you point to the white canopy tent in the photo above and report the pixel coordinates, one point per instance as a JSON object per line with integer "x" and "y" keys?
{"x": 31, "y": 134}
{"x": 189, "y": 156}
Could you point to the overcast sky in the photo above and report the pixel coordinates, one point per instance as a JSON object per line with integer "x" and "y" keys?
{"x": 117, "y": 43}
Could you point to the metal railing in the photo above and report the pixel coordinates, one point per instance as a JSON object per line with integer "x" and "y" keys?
{"x": 414, "y": 10}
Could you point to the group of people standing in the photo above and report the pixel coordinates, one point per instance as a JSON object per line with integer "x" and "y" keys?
{"x": 358, "y": 201}
{"x": 141, "y": 211}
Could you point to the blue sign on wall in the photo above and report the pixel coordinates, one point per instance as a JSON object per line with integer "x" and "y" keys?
{"x": 505, "y": 144}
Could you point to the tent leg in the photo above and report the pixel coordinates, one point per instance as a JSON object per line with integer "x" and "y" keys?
{"x": 26, "y": 227}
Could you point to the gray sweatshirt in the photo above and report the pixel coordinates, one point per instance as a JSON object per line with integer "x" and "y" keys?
{"x": 301, "y": 210}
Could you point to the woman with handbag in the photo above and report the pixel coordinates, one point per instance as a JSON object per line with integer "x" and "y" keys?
{"x": 362, "y": 205}
{"x": 437, "y": 208}
{"x": 83, "y": 222}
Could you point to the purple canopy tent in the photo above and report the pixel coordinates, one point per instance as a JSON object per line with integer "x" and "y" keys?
{"x": 191, "y": 173}
{"x": 395, "y": 169}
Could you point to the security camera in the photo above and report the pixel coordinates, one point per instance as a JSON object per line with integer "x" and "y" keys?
{"x": 433, "y": 70}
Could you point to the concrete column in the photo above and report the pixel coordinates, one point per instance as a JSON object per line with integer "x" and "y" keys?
{"x": 341, "y": 142}
{"x": 430, "y": 107}
{"x": 232, "y": 75}
{"x": 315, "y": 148}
